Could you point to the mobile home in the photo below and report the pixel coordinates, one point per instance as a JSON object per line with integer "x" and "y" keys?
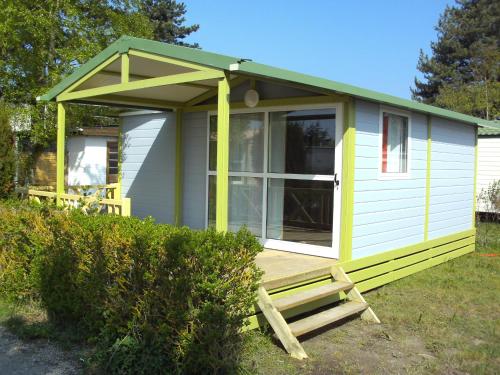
{"x": 342, "y": 185}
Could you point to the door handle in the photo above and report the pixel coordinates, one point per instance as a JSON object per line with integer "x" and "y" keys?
{"x": 336, "y": 180}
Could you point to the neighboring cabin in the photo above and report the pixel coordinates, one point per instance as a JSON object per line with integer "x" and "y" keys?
{"x": 488, "y": 169}
{"x": 91, "y": 159}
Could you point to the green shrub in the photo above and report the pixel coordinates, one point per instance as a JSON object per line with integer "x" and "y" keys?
{"x": 7, "y": 154}
{"x": 24, "y": 235}
{"x": 155, "y": 298}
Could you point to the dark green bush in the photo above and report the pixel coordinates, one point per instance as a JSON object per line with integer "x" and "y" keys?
{"x": 7, "y": 154}
{"x": 155, "y": 298}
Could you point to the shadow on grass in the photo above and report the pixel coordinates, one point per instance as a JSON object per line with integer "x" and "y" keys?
{"x": 31, "y": 323}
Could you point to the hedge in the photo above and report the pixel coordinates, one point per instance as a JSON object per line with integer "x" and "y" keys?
{"x": 155, "y": 298}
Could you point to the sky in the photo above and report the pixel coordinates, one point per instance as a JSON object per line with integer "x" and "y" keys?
{"x": 371, "y": 44}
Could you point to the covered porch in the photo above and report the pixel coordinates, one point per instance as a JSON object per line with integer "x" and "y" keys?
{"x": 134, "y": 73}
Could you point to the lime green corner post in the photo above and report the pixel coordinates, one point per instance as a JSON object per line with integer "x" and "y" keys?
{"x": 347, "y": 206}
{"x": 221, "y": 213}
{"x": 178, "y": 167}
{"x": 61, "y": 134}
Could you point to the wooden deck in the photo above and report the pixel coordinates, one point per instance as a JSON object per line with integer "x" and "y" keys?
{"x": 284, "y": 268}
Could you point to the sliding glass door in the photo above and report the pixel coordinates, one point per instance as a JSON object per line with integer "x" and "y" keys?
{"x": 282, "y": 166}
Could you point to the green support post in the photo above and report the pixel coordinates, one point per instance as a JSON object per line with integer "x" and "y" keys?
{"x": 178, "y": 168}
{"x": 61, "y": 130}
{"x": 221, "y": 214}
{"x": 474, "y": 204}
{"x": 347, "y": 214}
{"x": 125, "y": 72}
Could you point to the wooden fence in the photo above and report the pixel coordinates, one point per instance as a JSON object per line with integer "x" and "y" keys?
{"x": 99, "y": 198}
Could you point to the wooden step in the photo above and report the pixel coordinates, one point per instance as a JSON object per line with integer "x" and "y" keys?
{"x": 301, "y": 298}
{"x": 324, "y": 318}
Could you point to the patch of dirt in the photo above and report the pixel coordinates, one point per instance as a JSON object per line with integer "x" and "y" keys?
{"x": 372, "y": 350}
{"x": 34, "y": 357}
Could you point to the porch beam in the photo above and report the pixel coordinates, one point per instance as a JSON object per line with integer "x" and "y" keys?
{"x": 125, "y": 72}
{"x": 222, "y": 188}
{"x": 323, "y": 99}
{"x": 136, "y": 77}
{"x": 141, "y": 84}
{"x": 213, "y": 92}
{"x": 92, "y": 73}
{"x": 61, "y": 134}
{"x": 140, "y": 101}
{"x": 178, "y": 168}
{"x": 172, "y": 61}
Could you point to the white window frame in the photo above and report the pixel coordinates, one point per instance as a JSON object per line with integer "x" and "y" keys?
{"x": 393, "y": 175}
{"x": 296, "y": 247}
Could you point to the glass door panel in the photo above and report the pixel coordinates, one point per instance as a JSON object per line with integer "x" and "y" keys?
{"x": 300, "y": 211}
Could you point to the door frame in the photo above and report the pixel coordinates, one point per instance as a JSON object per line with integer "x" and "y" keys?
{"x": 296, "y": 247}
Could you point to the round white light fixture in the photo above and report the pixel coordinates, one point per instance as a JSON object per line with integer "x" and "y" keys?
{"x": 251, "y": 98}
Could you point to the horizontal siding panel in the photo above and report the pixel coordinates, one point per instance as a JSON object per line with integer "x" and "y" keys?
{"x": 381, "y": 227}
{"x": 194, "y": 159}
{"x": 148, "y": 164}
{"x": 388, "y": 213}
{"x": 384, "y": 195}
{"x": 448, "y": 230}
{"x": 395, "y": 215}
{"x": 386, "y": 246}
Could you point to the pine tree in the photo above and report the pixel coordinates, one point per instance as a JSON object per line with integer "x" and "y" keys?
{"x": 465, "y": 58}
{"x": 168, "y": 19}
{"x": 7, "y": 155}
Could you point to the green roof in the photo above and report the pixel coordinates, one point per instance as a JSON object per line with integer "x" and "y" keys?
{"x": 251, "y": 68}
{"x": 491, "y": 129}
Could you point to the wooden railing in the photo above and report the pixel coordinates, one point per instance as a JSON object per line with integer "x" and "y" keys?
{"x": 102, "y": 199}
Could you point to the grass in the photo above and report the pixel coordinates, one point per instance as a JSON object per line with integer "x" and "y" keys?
{"x": 444, "y": 320}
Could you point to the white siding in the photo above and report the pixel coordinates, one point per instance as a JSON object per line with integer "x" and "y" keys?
{"x": 148, "y": 164}
{"x": 388, "y": 214}
{"x": 87, "y": 157}
{"x": 452, "y": 177}
{"x": 488, "y": 166}
{"x": 194, "y": 168}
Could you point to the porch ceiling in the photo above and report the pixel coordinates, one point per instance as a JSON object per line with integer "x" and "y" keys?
{"x": 142, "y": 68}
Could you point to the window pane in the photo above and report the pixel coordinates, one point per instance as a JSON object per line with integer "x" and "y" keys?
{"x": 394, "y": 143}
{"x": 245, "y": 203}
{"x": 302, "y": 142}
{"x": 212, "y": 201}
{"x": 246, "y": 142}
{"x": 300, "y": 211}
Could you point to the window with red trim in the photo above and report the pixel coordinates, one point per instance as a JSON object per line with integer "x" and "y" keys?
{"x": 394, "y": 143}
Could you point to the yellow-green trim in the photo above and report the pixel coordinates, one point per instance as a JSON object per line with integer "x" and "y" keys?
{"x": 178, "y": 168}
{"x": 222, "y": 188}
{"x": 141, "y": 84}
{"x": 92, "y": 73}
{"x": 118, "y": 191}
{"x": 125, "y": 71}
{"x": 168, "y": 60}
{"x": 372, "y": 260}
{"x": 213, "y": 92}
{"x": 428, "y": 178}
{"x": 474, "y": 204}
{"x": 61, "y": 134}
{"x": 347, "y": 205}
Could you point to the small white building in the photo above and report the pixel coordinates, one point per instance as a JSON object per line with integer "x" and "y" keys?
{"x": 92, "y": 156}
{"x": 488, "y": 168}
